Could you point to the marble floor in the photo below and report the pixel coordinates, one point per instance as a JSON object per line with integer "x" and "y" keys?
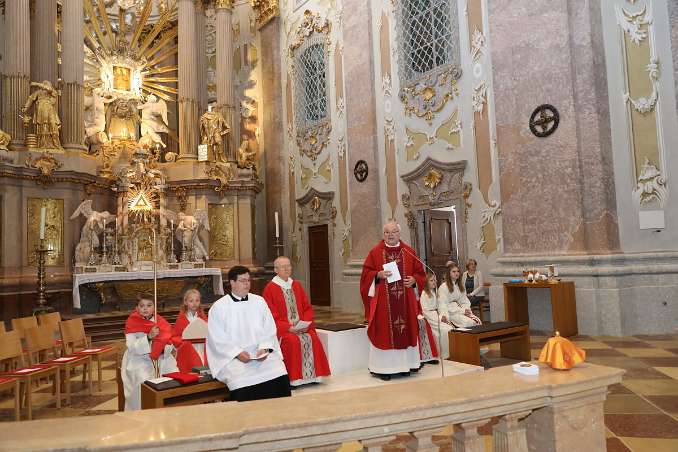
{"x": 641, "y": 413}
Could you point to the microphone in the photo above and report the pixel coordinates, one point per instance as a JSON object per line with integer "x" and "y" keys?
{"x": 435, "y": 290}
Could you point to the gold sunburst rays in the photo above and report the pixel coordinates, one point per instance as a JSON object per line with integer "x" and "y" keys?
{"x": 141, "y": 52}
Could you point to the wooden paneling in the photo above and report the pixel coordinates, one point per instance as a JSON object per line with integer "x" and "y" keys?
{"x": 319, "y": 264}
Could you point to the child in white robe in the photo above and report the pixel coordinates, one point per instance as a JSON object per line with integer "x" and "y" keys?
{"x": 429, "y": 305}
{"x": 455, "y": 307}
{"x": 149, "y": 351}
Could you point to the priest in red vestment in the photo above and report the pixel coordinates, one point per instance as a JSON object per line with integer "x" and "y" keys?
{"x": 391, "y": 309}
{"x": 303, "y": 353}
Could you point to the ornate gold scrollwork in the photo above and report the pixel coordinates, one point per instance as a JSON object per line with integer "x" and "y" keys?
{"x": 432, "y": 179}
{"x": 222, "y": 173}
{"x": 46, "y": 164}
{"x": 54, "y": 229}
{"x": 312, "y": 23}
{"x": 222, "y": 225}
{"x": 430, "y": 94}
{"x": 266, "y": 10}
{"x": 312, "y": 141}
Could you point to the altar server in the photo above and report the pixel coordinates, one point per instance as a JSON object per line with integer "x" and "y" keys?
{"x": 149, "y": 351}
{"x": 429, "y": 304}
{"x": 455, "y": 307}
{"x": 242, "y": 348}
{"x": 304, "y": 355}
{"x": 189, "y": 354}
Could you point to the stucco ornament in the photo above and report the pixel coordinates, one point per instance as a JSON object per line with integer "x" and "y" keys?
{"x": 429, "y": 95}
{"x": 312, "y": 23}
{"x": 46, "y": 164}
{"x": 487, "y": 216}
{"x": 634, "y": 24}
{"x": 651, "y": 186}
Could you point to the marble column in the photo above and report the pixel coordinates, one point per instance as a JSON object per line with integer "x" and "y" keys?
{"x": 73, "y": 67}
{"x": 201, "y": 58}
{"x": 16, "y": 83}
{"x": 224, "y": 73}
{"x": 361, "y": 126}
{"x": 188, "y": 82}
{"x": 673, "y": 23}
{"x": 44, "y": 46}
{"x": 273, "y": 128}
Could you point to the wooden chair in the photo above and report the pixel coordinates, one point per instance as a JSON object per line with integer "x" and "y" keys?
{"x": 74, "y": 341}
{"x": 53, "y": 319}
{"x": 21, "y": 324}
{"x": 2, "y": 327}
{"x": 41, "y": 350}
{"x": 13, "y": 384}
{"x": 11, "y": 352}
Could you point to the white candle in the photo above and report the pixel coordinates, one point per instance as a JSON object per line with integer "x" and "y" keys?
{"x": 43, "y": 212}
{"x": 277, "y": 227}
{"x": 116, "y": 225}
{"x": 171, "y": 225}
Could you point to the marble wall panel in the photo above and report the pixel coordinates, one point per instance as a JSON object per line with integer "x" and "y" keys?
{"x": 539, "y": 175}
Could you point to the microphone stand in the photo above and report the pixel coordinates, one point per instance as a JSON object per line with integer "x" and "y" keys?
{"x": 440, "y": 357}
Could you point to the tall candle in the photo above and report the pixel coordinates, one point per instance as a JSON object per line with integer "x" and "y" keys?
{"x": 171, "y": 225}
{"x": 277, "y": 227}
{"x": 43, "y": 213}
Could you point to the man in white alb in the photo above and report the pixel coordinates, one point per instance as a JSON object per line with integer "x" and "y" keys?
{"x": 242, "y": 347}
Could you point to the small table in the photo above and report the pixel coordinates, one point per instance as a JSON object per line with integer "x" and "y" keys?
{"x": 190, "y": 394}
{"x": 563, "y": 304}
{"x": 347, "y": 347}
{"x": 514, "y": 339}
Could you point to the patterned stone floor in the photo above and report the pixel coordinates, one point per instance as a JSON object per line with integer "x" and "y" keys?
{"x": 641, "y": 413}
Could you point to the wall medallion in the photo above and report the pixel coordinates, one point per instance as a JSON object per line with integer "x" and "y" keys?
{"x": 361, "y": 170}
{"x": 544, "y": 120}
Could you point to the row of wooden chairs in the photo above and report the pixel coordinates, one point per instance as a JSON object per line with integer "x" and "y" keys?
{"x": 47, "y": 347}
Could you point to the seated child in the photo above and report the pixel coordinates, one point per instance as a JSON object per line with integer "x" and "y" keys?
{"x": 189, "y": 354}
{"x": 149, "y": 351}
{"x": 455, "y": 307}
{"x": 429, "y": 305}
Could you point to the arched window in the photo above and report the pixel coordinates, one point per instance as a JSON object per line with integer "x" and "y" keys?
{"x": 428, "y": 32}
{"x": 311, "y": 88}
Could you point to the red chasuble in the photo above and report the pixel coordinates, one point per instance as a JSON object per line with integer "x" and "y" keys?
{"x": 137, "y": 324}
{"x": 291, "y": 343}
{"x": 392, "y": 312}
{"x": 187, "y": 356}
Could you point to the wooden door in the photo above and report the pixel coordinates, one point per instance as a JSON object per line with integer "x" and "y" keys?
{"x": 441, "y": 242}
{"x": 319, "y": 265}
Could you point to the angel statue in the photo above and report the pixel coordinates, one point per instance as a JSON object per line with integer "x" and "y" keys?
{"x": 45, "y": 116}
{"x": 95, "y": 115}
{"x": 188, "y": 227}
{"x": 212, "y": 127}
{"x": 96, "y": 223}
{"x": 153, "y": 116}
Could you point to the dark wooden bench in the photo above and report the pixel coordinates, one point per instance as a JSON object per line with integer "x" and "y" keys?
{"x": 172, "y": 393}
{"x": 514, "y": 338}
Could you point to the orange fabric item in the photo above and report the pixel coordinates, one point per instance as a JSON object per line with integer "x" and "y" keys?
{"x": 559, "y": 353}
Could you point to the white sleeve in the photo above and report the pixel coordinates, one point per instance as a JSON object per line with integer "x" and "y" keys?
{"x": 480, "y": 285}
{"x": 268, "y": 337}
{"x": 220, "y": 350}
{"x": 464, "y": 301}
{"x": 443, "y": 300}
{"x": 137, "y": 345}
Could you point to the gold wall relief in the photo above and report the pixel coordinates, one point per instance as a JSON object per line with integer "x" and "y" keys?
{"x": 312, "y": 141}
{"x": 237, "y": 60}
{"x": 266, "y": 10}
{"x": 46, "y": 164}
{"x": 385, "y": 45}
{"x": 311, "y": 23}
{"x": 317, "y": 207}
{"x": 222, "y": 231}
{"x": 449, "y": 132}
{"x": 54, "y": 230}
{"x": 429, "y": 95}
{"x": 415, "y": 141}
{"x": 324, "y": 171}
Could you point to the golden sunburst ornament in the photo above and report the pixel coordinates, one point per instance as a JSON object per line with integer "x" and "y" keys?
{"x": 143, "y": 200}
{"x": 432, "y": 179}
{"x": 131, "y": 62}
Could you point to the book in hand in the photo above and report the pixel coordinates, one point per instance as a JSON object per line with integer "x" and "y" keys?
{"x": 395, "y": 272}
{"x": 301, "y": 325}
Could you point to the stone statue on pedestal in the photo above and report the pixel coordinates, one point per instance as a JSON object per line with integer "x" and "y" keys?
{"x": 89, "y": 238}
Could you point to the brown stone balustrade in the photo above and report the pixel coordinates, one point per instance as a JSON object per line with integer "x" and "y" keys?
{"x": 565, "y": 415}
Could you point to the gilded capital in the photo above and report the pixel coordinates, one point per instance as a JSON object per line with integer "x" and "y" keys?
{"x": 223, "y": 4}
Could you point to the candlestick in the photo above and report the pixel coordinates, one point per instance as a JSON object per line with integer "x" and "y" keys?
{"x": 43, "y": 213}
{"x": 277, "y": 227}
{"x": 42, "y": 307}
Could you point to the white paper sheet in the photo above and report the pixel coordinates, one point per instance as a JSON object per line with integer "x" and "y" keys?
{"x": 160, "y": 380}
{"x": 260, "y": 357}
{"x": 395, "y": 273}
{"x": 25, "y": 371}
{"x": 91, "y": 350}
{"x": 64, "y": 359}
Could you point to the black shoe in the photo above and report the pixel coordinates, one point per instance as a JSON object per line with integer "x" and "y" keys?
{"x": 404, "y": 374}
{"x": 434, "y": 362}
{"x": 384, "y": 377}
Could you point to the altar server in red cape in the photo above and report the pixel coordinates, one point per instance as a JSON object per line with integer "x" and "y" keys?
{"x": 149, "y": 350}
{"x": 391, "y": 309}
{"x": 189, "y": 354}
{"x": 303, "y": 353}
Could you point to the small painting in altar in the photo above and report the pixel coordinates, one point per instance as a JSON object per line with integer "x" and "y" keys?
{"x": 122, "y": 78}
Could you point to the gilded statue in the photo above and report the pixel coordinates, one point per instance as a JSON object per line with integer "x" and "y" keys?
{"x": 212, "y": 127}
{"x": 45, "y": 116}
{"x": 122, "y": 119}
{"x": 247, "y": 157}
{"x": 4, "y": 140}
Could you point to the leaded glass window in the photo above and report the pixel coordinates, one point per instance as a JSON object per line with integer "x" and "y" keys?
{"x": 311, "y": 84}
{"x": 428, "y": 35}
